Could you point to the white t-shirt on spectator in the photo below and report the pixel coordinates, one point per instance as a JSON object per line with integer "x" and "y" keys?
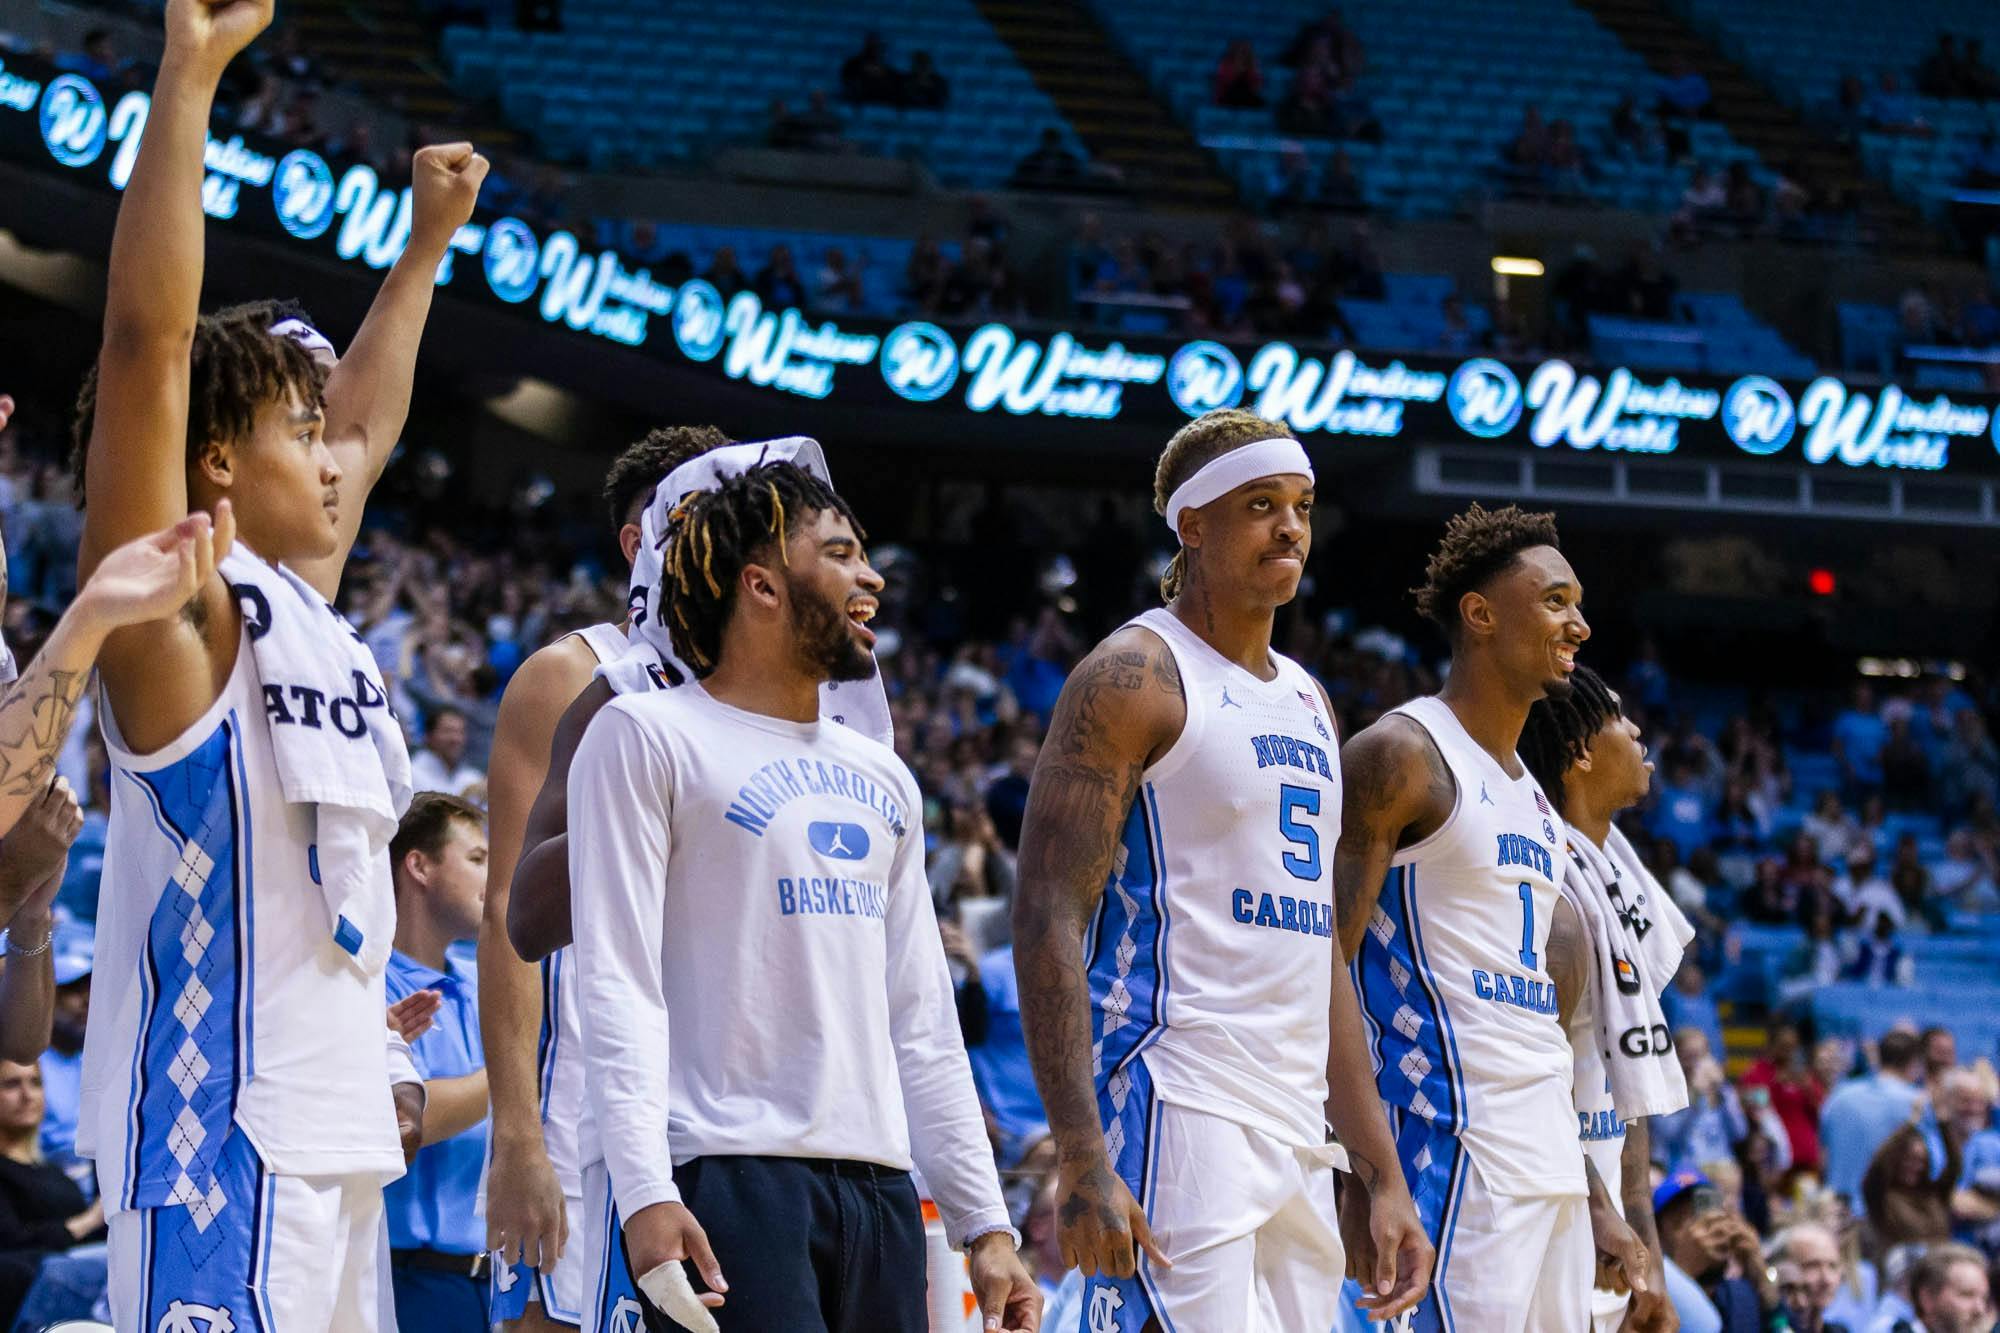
{"x": 428, "y": 773}
{"x": 1876, "y": 899}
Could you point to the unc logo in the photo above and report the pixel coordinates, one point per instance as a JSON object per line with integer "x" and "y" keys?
{"x": 1485, "y": 398}
{"x": 505, "y": 1275}
{"x": 1757, "y": 413}
{"x": 698, "y": 320}
{"x": 1320, "y": 727}
{"x": 182, "y": 1317}
{"x": 1548, "y": 833}
{"x": 626, "y": 1317}
{"x": 1105, "y": 1303}
{"x": 920, "y": 362}
{"x": 73, "y": 120}
{"x": 512, "y": 260}
{"x": 1204, "y": 376}
{"x": 842, "y": 842}
{"x": 302, "y": 192}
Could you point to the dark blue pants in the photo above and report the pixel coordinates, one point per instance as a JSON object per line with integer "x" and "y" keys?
{"x": 808, "y": 1245}
{"x": 430, "y": 1301}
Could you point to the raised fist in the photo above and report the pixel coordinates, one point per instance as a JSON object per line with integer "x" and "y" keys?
{"x": 213, "y": 31}
{"x": 447, "y": 177}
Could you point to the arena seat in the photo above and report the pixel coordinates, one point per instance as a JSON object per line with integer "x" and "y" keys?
{"x": 1433, "y": 80}
{"x": 642, "y": 83}
{"x": 880, "y": 260}
{"x": 1718, "y": 334}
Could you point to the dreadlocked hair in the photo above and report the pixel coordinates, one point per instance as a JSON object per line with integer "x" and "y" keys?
{"x": 713, "y": 534}
{"x": 1193, "y": 447}
{"x": 235, "y": 368}
{"x": 1559, "y": 731}
{"x": 1477, "y": 544}
{"x": 645, "y": 464}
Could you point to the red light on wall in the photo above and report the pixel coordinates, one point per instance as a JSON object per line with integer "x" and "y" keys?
{"x": 1821, "y": 582}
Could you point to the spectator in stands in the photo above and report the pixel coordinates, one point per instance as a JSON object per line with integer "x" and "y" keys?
{"x": 1858, "y": 737}
{"x": 1809, "y": 1277}
{"x": 1291, "y": 184}
{"x": 1703, "y": 202}
{"x": 1688, "y": 1004}
{"x": 437, "y": 1236}
{"x": 724, "y": 274}
{"x": 1528, "y": 151}
{"x": 1712, "y": 1124}
{"x": 1906, "y": 1202}
{"x": 1870, "y": 894}
{"x": 868, "y": 77}
{"x": 1949, "y": 1293}
{"x": 1892, "y": 110}
{"x": 924, "y": 88}
{"x": 1794, "y": 1090}
{"x": 1340, "y": 188}
{"x": 1906, "y": 768}
{"x": 1965, "y": 879}
{"x": 1456, "y": 336}
{"x": 62, "y": 1063}
{"x": 1971, "y": 767}
{"x": 1352, "y": 115}
{"x": 837, "y": 287}
{"x": 440, "y": 765}
{"x": 1341, "y": 41}
{"x": 1942, "y": 74}
{"x": 1681, "y": 812}
{"x": 98, "y": 61}
{"x": 1831, "y": 827}
{"x": 1050, "y": 166}
{"x": 42, "y": 1211}
{"x": 820, "y": 125}
{"x": 1308, "y": 105}
{"x": 1860, "y": 1114}
{"x": 1239, "y": 80}
{"x": 778, "y": 284}
{"x": 1567, "y": 171}
{"x": 1715, "y": 1266}
{"x": 924, "y": 275}
{"x": 1742, "y": 198}
{"x": 1645, "y": 286}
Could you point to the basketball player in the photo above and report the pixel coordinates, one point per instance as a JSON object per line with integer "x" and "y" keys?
{"x": 534, "y": 1187}
{"x": 742, "y": 857}
{"x": 1445, "y": 872}
{"x": 1174, "y": 936}
{"x": 252, "y": 907}
{"x": 1587, "y": 756}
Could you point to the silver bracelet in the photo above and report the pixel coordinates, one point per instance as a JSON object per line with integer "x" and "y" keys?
{"x": 35, "y": 952}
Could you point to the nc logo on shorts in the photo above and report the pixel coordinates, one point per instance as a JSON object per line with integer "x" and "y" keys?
{"x": 698, "y": 320}
{"x": 182, "y": 1317}
{"x": 1105, "y": 1303}
{"x": 73, "y": 120}
{"x": 512, "y": 259}
{"x": 1758, "y": 414}
{"x": 920, "y": 362}
{"x": 842, "y": 842}
{"x": 1484, "y": 397}
{"x": 626, "y": 1317}
{"x": 1204, "y": 376}
{"x": 302, "y": 192}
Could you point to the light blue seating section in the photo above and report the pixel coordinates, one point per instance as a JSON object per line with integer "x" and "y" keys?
{"x": 641, "y": 83}
{"x": 1448, "y": 79}
{"x": 1717, "y": 335}
{"x": 881, "y": 260}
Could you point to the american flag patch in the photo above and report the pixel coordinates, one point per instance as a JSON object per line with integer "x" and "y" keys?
{"x": 1541, "y": 804}
{"x": 1307, "y": 698}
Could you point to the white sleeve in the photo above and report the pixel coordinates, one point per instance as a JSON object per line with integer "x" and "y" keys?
{"x": 620, "y": 796}
{"x": 402, "y": 1062}
{"x": 947, "y": 1129}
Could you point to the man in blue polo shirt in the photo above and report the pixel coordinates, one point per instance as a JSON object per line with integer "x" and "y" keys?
{"x": 437, "y": 1236}
{"x": 62, "y": 1062}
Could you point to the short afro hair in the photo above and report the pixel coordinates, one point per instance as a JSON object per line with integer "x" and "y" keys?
{"x": 1192, "y": 448}
{"x": 646, "y": 463}
{"x": 236, "y": 367}
{"x": 1559, "y": 731}
{"x": 1477, "y": 544}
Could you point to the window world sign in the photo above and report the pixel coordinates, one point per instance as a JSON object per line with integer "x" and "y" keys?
{"x": 62, "y": 126}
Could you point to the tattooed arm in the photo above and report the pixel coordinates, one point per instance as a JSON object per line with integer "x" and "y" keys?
{"x": 1122, "y": 707}
{"x": 1650, "y": 1311}
{"x": 1395, "y": 791}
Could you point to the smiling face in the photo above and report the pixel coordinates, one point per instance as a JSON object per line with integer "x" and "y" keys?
{"x": 832, "y": 591}
{"x": 1529, "y": 616}
{"x": 1254, "y": 540}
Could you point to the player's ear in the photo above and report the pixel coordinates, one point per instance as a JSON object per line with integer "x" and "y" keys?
{"x": 215, "y": 463}
{"x": 629, "y": 538}
{"x": 1476, "y": 613}
{"x": 760, "y": 585}
{"x": 1190, "y": 528}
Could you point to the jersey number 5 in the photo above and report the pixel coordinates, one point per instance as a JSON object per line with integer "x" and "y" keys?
{"x": 1292, "y": 801}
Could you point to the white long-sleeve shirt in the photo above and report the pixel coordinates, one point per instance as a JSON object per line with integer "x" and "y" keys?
{"x": 759, "y": 964}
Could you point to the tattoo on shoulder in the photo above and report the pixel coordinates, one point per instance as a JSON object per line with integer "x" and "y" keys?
{"x": 1167, "y": 672}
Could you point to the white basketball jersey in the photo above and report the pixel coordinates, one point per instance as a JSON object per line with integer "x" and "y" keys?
{"x": 222, "y": 1000}
{"x": 1456, "y": 996}
{"x": 1598, "y": 1126}
{"x": 1212, "y": 952}
{"x": 559, "y": 1051}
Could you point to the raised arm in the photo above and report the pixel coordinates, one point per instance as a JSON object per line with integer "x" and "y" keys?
{"x": 538, "y": 917}
{"x": 1396, "y": 790}
{"x": 368, "y": 393}
{"x": 1121, "y": 708}
{"x": 136, "y": 471}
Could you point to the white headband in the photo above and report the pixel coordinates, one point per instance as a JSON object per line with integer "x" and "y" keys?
{"x": 1219, "y": 476}
{"x": 305, "y": 335}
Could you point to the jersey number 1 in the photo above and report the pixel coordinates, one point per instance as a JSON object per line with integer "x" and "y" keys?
{"x": 1528, "y": 927}
{"x": 1292, "y": 800}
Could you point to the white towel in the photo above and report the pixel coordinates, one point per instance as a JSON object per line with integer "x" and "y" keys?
{"x": 339, "y": 748}
{"x": 862, "y": 704}
{"x": 1638, "y": 935}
